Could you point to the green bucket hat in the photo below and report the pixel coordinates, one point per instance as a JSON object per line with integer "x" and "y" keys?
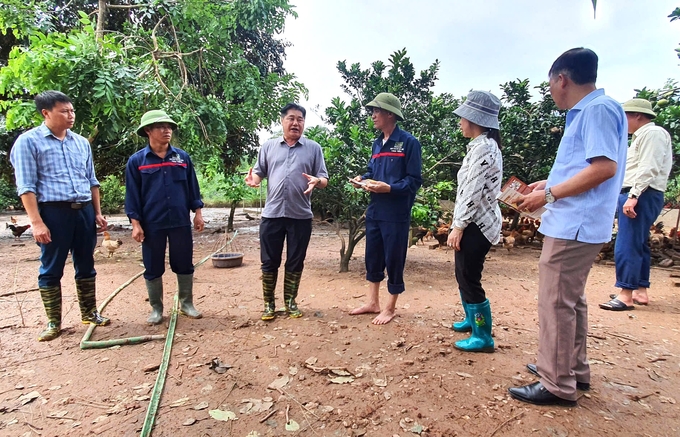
{"x": 388, "y": 102}
{"x": 639, "y": 105}
{"x": 155, "y": 116}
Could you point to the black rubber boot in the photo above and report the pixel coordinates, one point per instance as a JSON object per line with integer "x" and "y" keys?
{"x": 154, "y": 288}
{"x": 185, "y": 284}
{"x": 51, "y": 298}
{"x": 268, "y": 287}
{"x": 291, "y": 283}
{"x": 87, "y": 299}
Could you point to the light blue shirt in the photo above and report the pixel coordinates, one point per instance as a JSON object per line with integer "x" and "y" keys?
{"x": 595, "y": 127}
{"x": 55, "y": 170}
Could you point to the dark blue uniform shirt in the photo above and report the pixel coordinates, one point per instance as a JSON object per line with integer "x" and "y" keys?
{"x": 398, "y": 163}
{"x": 160, "y": 192}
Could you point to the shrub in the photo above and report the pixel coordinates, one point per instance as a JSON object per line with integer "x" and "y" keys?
{"x": 8, "y": 196}
{"x": 112, "y": 193}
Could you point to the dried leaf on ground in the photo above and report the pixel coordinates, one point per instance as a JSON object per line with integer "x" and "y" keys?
{"x": 292, "y": 425}
{"x": 464, "y": 375}
{"x": 279, "y": 383}
{"x": 29, "y": 397}
{"x": 202, "y": 406}
{"x": 178, "y": 403}
{"x": 342, "y": 379}
{"x": 223, "y": 415}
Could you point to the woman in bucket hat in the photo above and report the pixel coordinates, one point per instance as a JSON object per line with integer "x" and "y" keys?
{"x": 477, "y": 217}
{"x": 160, "y": 189}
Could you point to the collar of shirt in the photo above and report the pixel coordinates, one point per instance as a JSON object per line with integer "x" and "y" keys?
{"x": 642, "y": 129}
{"x": 300, "y": 142}
{"x": 393, "y": 136}
{"x": 46, "y": 132}
{"x": 583, "y": 103}
{"x": 171, "y": 151}
{"x": 476, "y": 141}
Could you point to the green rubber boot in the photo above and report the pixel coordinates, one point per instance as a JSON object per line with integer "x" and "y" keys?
{"x": 51, "y": 298}
{"x": 87, "y": 299}
{"x": 291, "y": 283}
{"x": 464, "y": 325}
{"x": 268, "y": 287}
{"x": 480, "y": 340}
{"x": 185, "y": 285}
{"x": 154, "y": 288}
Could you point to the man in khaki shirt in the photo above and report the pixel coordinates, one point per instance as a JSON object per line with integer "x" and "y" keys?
{"x": 649, "y": 161}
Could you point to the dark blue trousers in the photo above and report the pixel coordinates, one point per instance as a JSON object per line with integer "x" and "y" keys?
{"x": 296, "y": 233}
{"x": 386, "y": 246}
{"x": 71, "y": 230}
{"x": 631, "y": 251}
{"x": 181, "y": 250}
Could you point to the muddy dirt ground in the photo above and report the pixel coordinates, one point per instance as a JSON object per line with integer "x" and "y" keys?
{"x": 329, "y": 373}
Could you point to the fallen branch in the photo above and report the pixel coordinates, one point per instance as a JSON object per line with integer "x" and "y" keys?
{"x": 12, "y": 293}
{"x": 599, "y": 337}
{"x": 270, "y": 414}
{"x": 505, "y": 423}
{"x": 34, "y": 359}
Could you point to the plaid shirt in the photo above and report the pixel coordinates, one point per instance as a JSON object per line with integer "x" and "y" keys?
{"x": 55, "y": 170}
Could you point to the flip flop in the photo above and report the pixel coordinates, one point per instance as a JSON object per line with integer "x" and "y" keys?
{"x": 635, "y": 301}
{"x": 616, "y": 305}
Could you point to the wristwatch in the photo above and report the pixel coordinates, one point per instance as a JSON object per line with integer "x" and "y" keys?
{"x": 549, "y": 198}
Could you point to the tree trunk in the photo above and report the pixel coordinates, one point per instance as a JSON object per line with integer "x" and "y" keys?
{"x": 101, "y": 19}
{"x": 356, "y": 233}
{"x": 230, "y": 222}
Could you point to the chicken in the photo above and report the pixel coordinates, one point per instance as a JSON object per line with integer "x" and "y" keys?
{"x": 13, "y": 220}
{"x": 111, "y": 245}
{"x": 17, "y": 230}
{"x": 418, "y": 234}
{"x": 508, "y": 242}
{"x": 442, "y": 234}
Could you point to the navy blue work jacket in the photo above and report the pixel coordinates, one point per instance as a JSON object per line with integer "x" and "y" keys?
{"x": 398, "y": 163}
{"x": 160, "y": 192}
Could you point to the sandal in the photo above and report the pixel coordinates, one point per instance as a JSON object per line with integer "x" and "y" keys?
{"x": 616, "y": 305}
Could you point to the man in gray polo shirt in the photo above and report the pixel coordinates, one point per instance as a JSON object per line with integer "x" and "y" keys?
{"x": 294, "y": 167}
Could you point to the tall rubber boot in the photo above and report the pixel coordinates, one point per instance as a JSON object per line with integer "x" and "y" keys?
{"x": 87, "y": 299}
{"x": 154, "y": 288}
{"x": 51, "y": 298}
{"x": 268, "y": 287}
{"x": 480, "y": 340}
{"x": 464, "y": 325}
{"x": 291, "y": 283}
{"x": 185, "y": 285}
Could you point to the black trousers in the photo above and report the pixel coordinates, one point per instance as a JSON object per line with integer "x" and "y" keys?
{"x": 470, "y": 262}
{"x": 273, "y": 231}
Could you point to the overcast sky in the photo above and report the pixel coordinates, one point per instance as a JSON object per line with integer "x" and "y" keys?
{"x": 481, "y": 44}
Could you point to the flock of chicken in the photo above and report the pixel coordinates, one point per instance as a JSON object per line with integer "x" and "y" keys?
{"x": 514, "y": 232}
{"x": 108, "y": 245}
{"x": 521, "y": 231}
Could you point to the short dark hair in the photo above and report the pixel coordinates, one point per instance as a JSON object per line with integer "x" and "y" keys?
{"x": 295, "y": 107}
{"x": 47, "y": 100}
{"x": 579, "y": 64}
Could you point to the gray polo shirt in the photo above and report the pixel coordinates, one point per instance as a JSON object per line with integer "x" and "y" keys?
{"x": 283, "y": 166}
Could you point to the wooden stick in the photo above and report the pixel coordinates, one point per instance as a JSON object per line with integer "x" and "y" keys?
{"x": 505, "y": 423}
{"x": 271, "y": 413}
{"x": 11, "y": 293}
{"x": 34, "y": 359}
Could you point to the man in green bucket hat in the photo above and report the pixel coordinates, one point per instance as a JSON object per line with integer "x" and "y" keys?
{"x": 160, "y": 189}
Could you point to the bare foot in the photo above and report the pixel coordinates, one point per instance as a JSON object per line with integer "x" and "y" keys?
{"x": 640, "y": 297}
{"x": 384, "y": 317}
{"x": 369, "y": 308}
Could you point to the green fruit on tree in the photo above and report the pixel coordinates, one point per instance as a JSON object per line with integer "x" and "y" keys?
{"x": 662, "y": 103}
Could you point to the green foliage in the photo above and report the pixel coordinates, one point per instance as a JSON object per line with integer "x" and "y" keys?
{"x": 530, "y": 131}
{"x": 215, "y": 67}
{"x": 666, "y": 104}
{"x": 8, "y": 196}
{"x": 218, "y": 189}
{"x": 112, "y": 195}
